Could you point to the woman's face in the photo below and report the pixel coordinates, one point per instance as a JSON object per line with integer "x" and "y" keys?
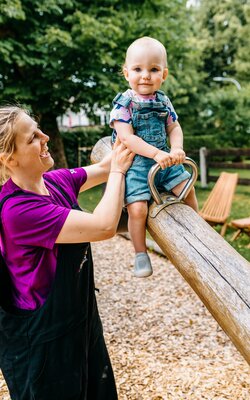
{"x": 31, "y": 150}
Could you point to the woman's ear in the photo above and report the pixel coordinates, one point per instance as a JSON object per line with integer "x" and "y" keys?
{"x": 165, "y": 74}
{"x": 8, "y": 162}
{"x": 3, "y": 158}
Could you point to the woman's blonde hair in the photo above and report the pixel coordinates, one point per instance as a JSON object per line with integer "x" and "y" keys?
{"x": 8, "y": 118}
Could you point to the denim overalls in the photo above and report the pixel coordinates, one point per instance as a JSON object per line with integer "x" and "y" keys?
{"x": 149, "y": 123}
{"x": 57, "y": 352}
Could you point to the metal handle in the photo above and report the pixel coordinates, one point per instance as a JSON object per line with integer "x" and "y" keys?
{"x": 190, "y": 183}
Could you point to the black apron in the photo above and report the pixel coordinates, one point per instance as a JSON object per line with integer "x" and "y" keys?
{"x": 57, "y": 352}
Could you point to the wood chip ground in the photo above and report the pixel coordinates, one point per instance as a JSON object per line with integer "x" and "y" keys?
{"x": 163, "y": 343}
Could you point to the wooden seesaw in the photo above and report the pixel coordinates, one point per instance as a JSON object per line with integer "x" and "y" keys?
{"x": 218, "y": 274}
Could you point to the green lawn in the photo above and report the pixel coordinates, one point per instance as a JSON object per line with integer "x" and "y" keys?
{"x": 243, "y": 173}
{"x": 240, "y": 209}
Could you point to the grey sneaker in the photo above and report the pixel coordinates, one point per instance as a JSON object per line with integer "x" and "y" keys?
{"x": 142, "y": 266}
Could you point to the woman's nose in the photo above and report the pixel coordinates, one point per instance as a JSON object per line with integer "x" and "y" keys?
{"x": 44, "y": 137}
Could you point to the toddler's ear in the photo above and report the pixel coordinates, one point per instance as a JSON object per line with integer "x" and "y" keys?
{"x": 165, "y": 74}
{"x": 125, "y": 73}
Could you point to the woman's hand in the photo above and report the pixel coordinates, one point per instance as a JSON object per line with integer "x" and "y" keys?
{"x": 122, "y": 157}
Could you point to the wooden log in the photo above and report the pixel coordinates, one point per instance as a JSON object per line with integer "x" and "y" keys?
{"x": 214, "y": 270}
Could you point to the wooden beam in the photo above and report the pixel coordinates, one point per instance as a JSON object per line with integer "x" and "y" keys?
{"x": 214, "y": 270}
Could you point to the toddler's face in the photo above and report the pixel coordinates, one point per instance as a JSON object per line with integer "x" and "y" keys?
{"x": 145, "y": 69}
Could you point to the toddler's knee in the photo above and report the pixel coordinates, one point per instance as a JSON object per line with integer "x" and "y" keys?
{"x": 138, "y": 210}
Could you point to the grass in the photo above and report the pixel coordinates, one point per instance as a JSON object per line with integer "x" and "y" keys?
{"x": 89, "y": 199}
{"x": 240, "y": 209}
{"x": 243, "y": 173}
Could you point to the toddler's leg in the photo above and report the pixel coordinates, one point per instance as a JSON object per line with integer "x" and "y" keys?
{"x": 191, "y": 199}
{"x": 137, "y": 224}
{"x": 137, "y": 228}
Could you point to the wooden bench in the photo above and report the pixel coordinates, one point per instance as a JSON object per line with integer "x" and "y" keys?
{"x": 242, "y": 225}
{"x": 217, "y": 207}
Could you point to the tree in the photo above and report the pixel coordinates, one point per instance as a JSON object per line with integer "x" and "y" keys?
{"x": 61, "y": 54}
{"x": 223, "y": 36}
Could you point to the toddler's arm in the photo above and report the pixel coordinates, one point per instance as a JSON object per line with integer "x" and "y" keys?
{"x": 126, "y": 135}
{"x": 175, "y": 135}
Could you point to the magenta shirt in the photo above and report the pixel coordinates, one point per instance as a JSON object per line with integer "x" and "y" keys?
{"x": 30, "y": 227}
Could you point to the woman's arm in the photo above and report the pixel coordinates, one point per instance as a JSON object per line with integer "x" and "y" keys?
{"x": 97, "y": 173}
{"x": 102, "y": 223}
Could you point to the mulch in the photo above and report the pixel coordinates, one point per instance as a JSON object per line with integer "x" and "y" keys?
{"x": 163, "y": 343}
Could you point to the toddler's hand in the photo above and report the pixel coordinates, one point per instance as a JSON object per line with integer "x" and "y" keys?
{"x": 163, "y": 158}
{"x": 177, "y": 155}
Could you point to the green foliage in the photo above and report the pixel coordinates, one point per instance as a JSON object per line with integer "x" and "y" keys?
{"x": 222, "y": 29}
{"x": 195, "y": 142}
{"x": 56, "y": 55}
{"x": 230, "y": 116}
{"x": 223, "y": 37}
{"x": 82, "y": 137}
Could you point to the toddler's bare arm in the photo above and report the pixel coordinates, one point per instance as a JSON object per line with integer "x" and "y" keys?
{"x": 175, "y": 135}
{"x": 126, "y": 135}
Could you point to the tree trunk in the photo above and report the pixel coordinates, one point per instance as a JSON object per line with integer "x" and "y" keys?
{"x": 49, "y": 126}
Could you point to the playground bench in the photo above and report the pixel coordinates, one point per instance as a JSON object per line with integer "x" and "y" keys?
{"x": 217, "y": 207}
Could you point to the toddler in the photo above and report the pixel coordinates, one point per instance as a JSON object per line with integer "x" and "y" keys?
{"x": 143, "y": 118}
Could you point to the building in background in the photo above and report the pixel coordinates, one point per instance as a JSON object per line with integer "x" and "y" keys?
{"x": 71, "y": 119}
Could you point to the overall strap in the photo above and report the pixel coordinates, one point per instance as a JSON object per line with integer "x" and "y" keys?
{"x": 14, "y": 194}
{"x": 160, "y": 95}
{"x": 21, "y": 192}
{"x": 5, "y": 283}
{"x": 65, "y": 195}
{"x": 122, "y": 100}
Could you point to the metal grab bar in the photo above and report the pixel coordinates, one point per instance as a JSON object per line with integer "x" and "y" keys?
{"x": 190, "y": 183}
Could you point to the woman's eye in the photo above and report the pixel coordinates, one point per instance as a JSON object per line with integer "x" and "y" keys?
{"x": 32, "y": 138}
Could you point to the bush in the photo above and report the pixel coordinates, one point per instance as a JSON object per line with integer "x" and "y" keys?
{"x": 82, "y": 137}
{"x": 195, "y": 142}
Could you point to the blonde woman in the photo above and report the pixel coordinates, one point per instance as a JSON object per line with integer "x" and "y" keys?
{"x": 51, "y": 340}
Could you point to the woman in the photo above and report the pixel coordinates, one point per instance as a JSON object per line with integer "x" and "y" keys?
{"x": 51, "y": 339}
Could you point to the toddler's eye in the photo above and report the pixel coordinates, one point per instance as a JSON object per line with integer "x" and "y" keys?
{"x": 154, "y": 69}
{"x": 137, "y": 69}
